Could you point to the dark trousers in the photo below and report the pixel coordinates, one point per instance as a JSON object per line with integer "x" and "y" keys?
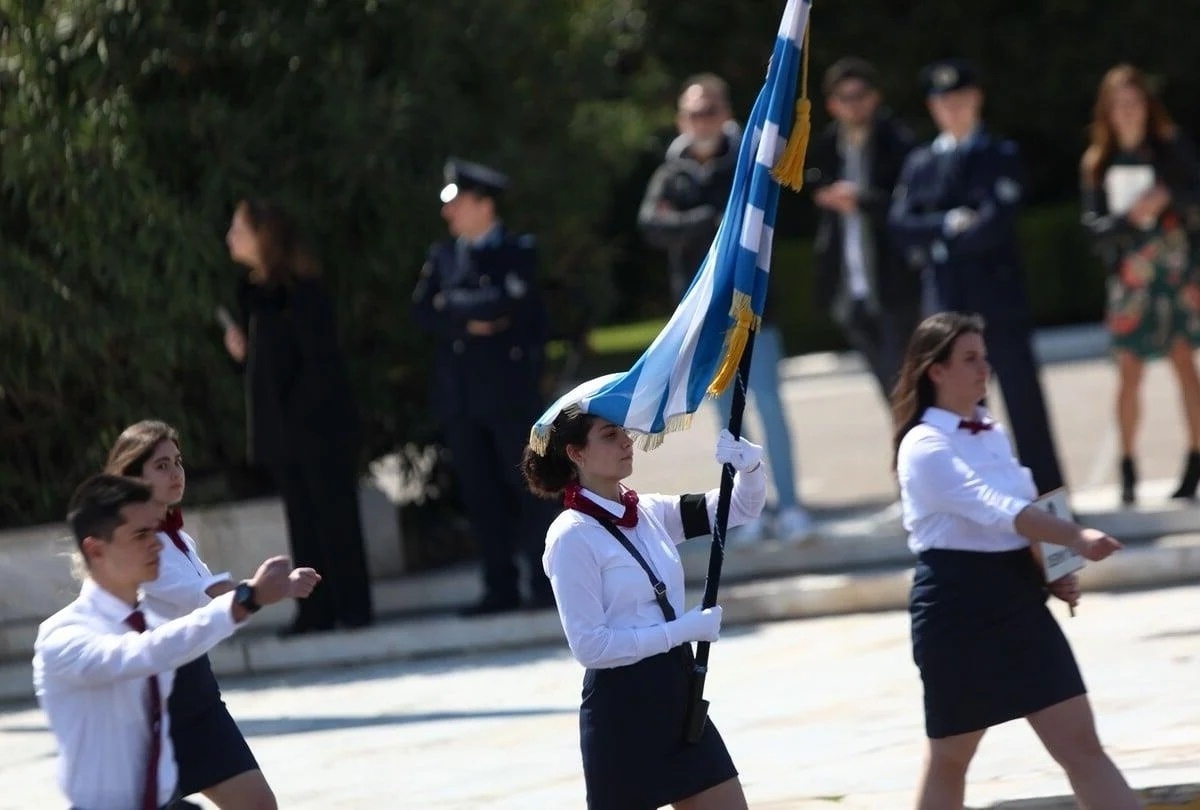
{"x": 1011, "y": 356}
{"x": 506, "y": 519}
{"x": 881, "y": 338}
{"x": 320, "y": 496}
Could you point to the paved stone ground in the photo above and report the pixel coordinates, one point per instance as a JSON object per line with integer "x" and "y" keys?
{"x": 821, "y": 713}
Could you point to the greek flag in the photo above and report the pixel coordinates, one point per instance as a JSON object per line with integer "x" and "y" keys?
{"x": 697, "y": 352}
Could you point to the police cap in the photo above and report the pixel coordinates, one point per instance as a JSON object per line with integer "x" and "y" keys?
{"x": 947, "y": 75}
{"x": 463, "y": 175}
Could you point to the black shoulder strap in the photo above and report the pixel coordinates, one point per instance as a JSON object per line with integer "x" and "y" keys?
{"x": 660, "y": 590}
{"x": 693, "y": 510}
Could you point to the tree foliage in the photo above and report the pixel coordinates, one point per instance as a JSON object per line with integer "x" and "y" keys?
{"x": 131, "y": 128}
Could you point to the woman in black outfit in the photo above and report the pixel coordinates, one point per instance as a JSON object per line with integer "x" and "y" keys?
{"x": 301, "y": 417}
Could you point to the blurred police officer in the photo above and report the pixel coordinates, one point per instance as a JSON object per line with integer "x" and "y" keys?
{"x": 478, "y": 296}
{"x": 954, "y": 219}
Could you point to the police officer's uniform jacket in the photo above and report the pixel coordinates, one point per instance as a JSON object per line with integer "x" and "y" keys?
{"x": 979, "y": 268}
{"x": 483, "y": 376}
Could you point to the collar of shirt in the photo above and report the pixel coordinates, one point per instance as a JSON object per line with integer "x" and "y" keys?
{"x": 617, "y": 509}
{"x": 104, "y": 604}
{"x": 182, "y": 583}
{"x": 490, "y": 237}
{"x": 856, "y": 138}
{"x": 947, "y": 421}
{"x": 946, "y": 142}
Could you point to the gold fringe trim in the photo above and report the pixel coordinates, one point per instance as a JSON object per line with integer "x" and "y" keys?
{"x": 539, "y": 438}
{"x": 652, "y": 441}
{"x": 789, "y": 169}
{"x": 744, "y": 320}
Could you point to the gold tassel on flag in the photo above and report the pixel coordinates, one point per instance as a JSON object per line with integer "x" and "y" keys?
{"x": 744, "y": 320}
{"x": 789, "y": 169}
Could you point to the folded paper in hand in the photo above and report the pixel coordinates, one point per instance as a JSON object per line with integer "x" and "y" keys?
{"x": 1056, "y": 561}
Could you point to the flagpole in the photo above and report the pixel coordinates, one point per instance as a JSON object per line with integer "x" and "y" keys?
{"x": 697, "y": 714}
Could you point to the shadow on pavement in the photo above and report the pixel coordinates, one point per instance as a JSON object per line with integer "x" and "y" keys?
{"x": 280, "y": 726}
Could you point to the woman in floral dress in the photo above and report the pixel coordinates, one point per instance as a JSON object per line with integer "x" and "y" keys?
{"x": 1141, "y": 198}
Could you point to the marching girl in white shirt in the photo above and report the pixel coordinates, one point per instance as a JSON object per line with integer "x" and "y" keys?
{"x": 638, "y": 660}
{"x": 987, "y": 647}
{"x": 213, "y": 756}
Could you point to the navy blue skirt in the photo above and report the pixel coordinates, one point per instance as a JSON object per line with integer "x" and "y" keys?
{"x": 988, "y": 649}
{"x": 631, "y": 725}
{"x": 209, "y": 746}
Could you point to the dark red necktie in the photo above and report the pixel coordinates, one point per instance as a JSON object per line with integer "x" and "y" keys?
{"x": 573, "y": 498}
{"x": 171, "y": 523}
{"x": 137, "y": 621}
{"x": 974, "y": 426}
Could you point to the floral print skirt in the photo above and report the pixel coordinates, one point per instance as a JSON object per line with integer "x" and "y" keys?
{"x": 1154, "y": 297}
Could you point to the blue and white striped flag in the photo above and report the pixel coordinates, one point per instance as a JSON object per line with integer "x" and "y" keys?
{"x": 698, "y": 350}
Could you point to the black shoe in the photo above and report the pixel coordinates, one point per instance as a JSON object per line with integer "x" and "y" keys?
{"x": 491, "y": 605}
{"x": 1128, "y": 481}
{"x": 1191, "y": 478}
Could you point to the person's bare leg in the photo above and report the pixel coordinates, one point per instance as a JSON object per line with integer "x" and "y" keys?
{"x": 1128, "y": 405}
{"x": 726, "y": 796}
{"x": 1183, "y": 361}
{"x": 246, "y": 791}
{"x": 1068, "y": 731}
{"x": 944, "y": 782}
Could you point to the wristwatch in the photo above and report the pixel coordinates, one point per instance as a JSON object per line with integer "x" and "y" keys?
{"x": 243, "y": 595}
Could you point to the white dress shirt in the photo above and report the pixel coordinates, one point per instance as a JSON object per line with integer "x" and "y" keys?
{"x": 183, "y": 580}
{"x": 856, "y": 171}
{"x": 961, "y": 490}
{"x": 90, "y": 673}
{"x": 604, "y": 597}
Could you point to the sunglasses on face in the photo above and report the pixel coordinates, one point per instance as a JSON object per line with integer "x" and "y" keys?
{"x": 703, "y": 112}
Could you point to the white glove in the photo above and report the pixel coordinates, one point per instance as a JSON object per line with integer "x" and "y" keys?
{"x": 743, "y": 455}
{"x": 698, "y": 624}
{"x": 958, "y": 220}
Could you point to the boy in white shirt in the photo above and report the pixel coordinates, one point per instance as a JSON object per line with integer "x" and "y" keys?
{"x": 103, "y": 668}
